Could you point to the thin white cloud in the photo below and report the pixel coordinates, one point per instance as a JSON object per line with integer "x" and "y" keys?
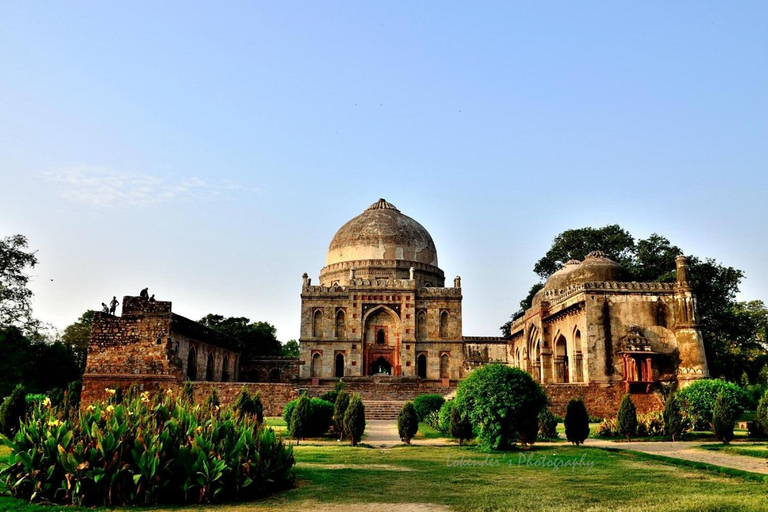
{"x": 108, "y": 188}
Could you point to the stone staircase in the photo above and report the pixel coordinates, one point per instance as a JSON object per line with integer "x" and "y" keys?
{"x": 383, "y": 397}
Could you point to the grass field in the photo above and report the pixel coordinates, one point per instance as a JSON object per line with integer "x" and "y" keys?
{"x": 342, "y": 478}
{"x": 749, "y": 449}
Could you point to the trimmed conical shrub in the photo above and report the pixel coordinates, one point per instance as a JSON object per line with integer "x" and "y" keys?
{"x": 673, "y": 418}
{"x": 299, "y": 425}
{"x": 576, "y": 421}
{"x": 354, "y": 419}
{"x": 339, "y": 408}
{"x": 460, "y": 426}
{"x": 762, "y": 415}
{"x": 407, "y": 422}
{"x": 723, "y": 417}
{"x": 244, "y": 403}
{"x": 547, "y": 424}
{"x": 258, "y": 407}
{"x": 626, "y": 418}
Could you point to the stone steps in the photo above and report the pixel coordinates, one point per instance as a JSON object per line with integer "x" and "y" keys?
{"x": 382, "y": 409}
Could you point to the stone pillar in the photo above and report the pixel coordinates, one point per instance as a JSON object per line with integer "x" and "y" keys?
{"x": 690, "y": 342}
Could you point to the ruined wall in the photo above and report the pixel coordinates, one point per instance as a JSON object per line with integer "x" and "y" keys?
{"x": 273, "y": 396}
{"x": 602, "y": 400}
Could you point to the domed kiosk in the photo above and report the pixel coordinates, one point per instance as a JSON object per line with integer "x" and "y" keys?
{"x": 382, "y": 307}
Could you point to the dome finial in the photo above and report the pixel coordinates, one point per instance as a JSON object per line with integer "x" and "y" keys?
{"x": 382, "y": 204}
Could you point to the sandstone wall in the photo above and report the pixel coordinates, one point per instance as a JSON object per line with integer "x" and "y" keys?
{"x": 602, "y": 400}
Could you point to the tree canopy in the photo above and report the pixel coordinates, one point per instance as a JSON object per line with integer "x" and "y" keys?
{"x": 734, "y": 333}
{"x": 256, "y": 338}
{"x": 15, "y": 295}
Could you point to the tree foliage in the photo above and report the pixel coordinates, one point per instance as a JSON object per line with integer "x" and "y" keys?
{"x": 697, "y": 400}
{"x": 427, "y": 404}
{"x": 339, "y": 409}
{"x": 547, "y": 424}
{"x": 354, "y": 419}
{"x": 674, "y": 425}
{"x": 407, "y": 422}
{"x": 626, "y": 418}
{"x": 77, "y": 335}
{"x": 256, "y": 338}
{"x": 724, "y": 415}
{"x": 13, "y": 410}
{"x": 501, "y": 401}
{"x": 460, "y": 426}
{"x": 576, "y": 421}
{"x": 299, "y": 425}
{"x": 291, "y": 349}
{"x": 15, "y": 295}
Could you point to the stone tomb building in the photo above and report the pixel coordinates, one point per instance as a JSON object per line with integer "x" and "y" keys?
{"x": 153, "y": 347}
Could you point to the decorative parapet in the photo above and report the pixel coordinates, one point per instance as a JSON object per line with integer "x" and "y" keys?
{"x": 618, "y": 286}
{"x": 403, "y": 264}
{"x": 380, "y": 284}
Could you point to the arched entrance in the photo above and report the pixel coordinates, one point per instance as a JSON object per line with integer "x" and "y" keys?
{"x": 381, "y": 367}
{"x": 316, "y": 365}
{"x": 561, "y": 360}
{"x": 209, "y": 368}
{"x": 421, "y": 366}
{"x": 192, "y": 364}
{"x": 339, "y": 370}
{"x": 445, "y": 366}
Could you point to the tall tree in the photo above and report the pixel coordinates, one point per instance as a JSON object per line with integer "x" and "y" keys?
{"x": 291, "y": 348}
{"x": 15, "y": 296}
{"x": 76, "y": 336}
{"x": 256, "y": 338}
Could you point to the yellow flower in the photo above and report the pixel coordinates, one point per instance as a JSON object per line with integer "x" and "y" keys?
{"x": 109, "y": 391}
{"x": 110, "y": 408}
{"x": 47, "y": 402}
{"x": 169, "y": 391}
{"x": 145, "y": 397}
{"x": 91, "y": 407}
{"x": 199, "y": 429}
{"x": 54, "y": 423}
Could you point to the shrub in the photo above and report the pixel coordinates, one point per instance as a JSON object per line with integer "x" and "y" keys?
{"x": 354, "y": 419}
{"x": 244, "y": 404}
{"x": 607, "y": 428}
{"x": 56, "y": 396}
{"x": 444, "y": 416}
{"x": 72, "y": 398}
{"x": 188, "y": 392}
{"x": 258, "y": 407}
{"x": 673, "y": 418}
{"x": 407, "y": 422}
{"x": 547, "y": 424}
{"x": 754, "y": 393}
{"x": 626, "y": 418}
{"x": 500, "y": 401}
{"x": 761, "y": 417}
{"x": 724, "y": 415}
{"x": 299, "y": 425}
{"x": 213, "y": 400}
{"x": 140, "y": 453}
{"x": 331, "y": 396}
{"x": 459, "y": 425}
{"x": 13, "y": 410}
{"x": 576, "y": 421}
{"x": 339, "y": 408}
{"x": 651, "y": 424}
{"x": 697, "y": 400}
{"x": 32, "y": 398}
{"x": 427, "y": 404}
{"x": 320, "y": 416}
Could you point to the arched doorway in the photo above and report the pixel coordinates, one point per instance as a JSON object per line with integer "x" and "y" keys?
{"x": 225, "y": 369}
{"x": 381, "y": 337}
{"x": 578, "y": 357}
{"x": 340, "y": 325}
{"x": 209, "y": 368}
{"x": 444, "y": 324}
{"x": 317, "y": 321}
{"x": 339, "y": 366}
{"x": 274, "y": 375}
{"x": 445, "y": 366}
{"x": 421, "y": 326}
{"x": 381, "y": 367}
{"x": 317, "y": 365}
{"x": 192, "y": 364}
{"x": 561, "y": 360}
{"x": 421, "y": 366}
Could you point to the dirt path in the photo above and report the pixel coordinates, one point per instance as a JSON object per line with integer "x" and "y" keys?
{"x": 383, "y": 434}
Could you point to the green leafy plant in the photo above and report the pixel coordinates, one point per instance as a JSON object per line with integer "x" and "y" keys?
{"x": 697, "y": 400}
{"x": 724, "y": 415}
{"x": 212, "y": 402}
{"x": 299, "y": 425}
{"x": 407, "y": 422}
{"x": 354, "y": 419}
{"x": 144, "y": 451}
{"x": 501, "y": 401}
{"x": 444, "y": 416}
{"x": 626, "y": 418}
{"x": 674, "y": 426}
{"x": 576, "y": 421}
{"x": 460, "y": 426}
{"x": 427, "y": 404}
{"x": 761, "y": 417}
{"x": 13, "y": 410}
{"x": 339, "y": 408}
{"x": 547, "y": 424}
{"x": 320, "y": 416}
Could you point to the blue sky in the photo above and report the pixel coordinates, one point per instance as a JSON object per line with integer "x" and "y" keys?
{"x": 210, "y": 151}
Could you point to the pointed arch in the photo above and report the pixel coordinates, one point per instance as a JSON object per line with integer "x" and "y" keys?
{"x": 225, "y": 369}
{"x": 317, "y": 324}
{"x": 339, "y": 366}
{"x": 341, "y": 324}
{"x": 421, "y": 325}
{"x": 445, "y": 366}
{"x": 316, "y": 367}
{"x": 444, "y": 324}
{"x": 192, "y": 364}
{"x": 209, "y": 369}
{"x": 421, "y": 365}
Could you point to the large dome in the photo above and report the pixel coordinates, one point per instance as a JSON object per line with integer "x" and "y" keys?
{"x": 596, "y": 267}
{"x": 381, "y": 232}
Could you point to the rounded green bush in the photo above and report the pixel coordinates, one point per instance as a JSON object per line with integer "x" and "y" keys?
{"x": 320, "y": 416}
{"x": 427, "y": 404}
{"x": 144, "y": 452}
{"x": 576, "y": 421}
{"x": 697, "y": 400}
{"x": 459, "y": 425}
{"x": 501, "y": 402}
{"x": 547, "y": 424}
{"x": 13, "y": 410}
{"x": 444, "y": 416}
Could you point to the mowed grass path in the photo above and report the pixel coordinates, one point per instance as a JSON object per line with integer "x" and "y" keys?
{"x": 342, "y": 478}
{"x": 759, "y": 450}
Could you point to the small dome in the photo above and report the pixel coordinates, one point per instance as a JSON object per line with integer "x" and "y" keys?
{"x": 596, "y": 267}
{"x": 381, "y": 232}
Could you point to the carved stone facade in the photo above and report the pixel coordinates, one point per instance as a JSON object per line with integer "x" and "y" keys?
{"x": 590, "y": 325}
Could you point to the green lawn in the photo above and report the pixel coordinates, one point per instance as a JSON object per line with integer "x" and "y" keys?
{"x": 749, "y": 449}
